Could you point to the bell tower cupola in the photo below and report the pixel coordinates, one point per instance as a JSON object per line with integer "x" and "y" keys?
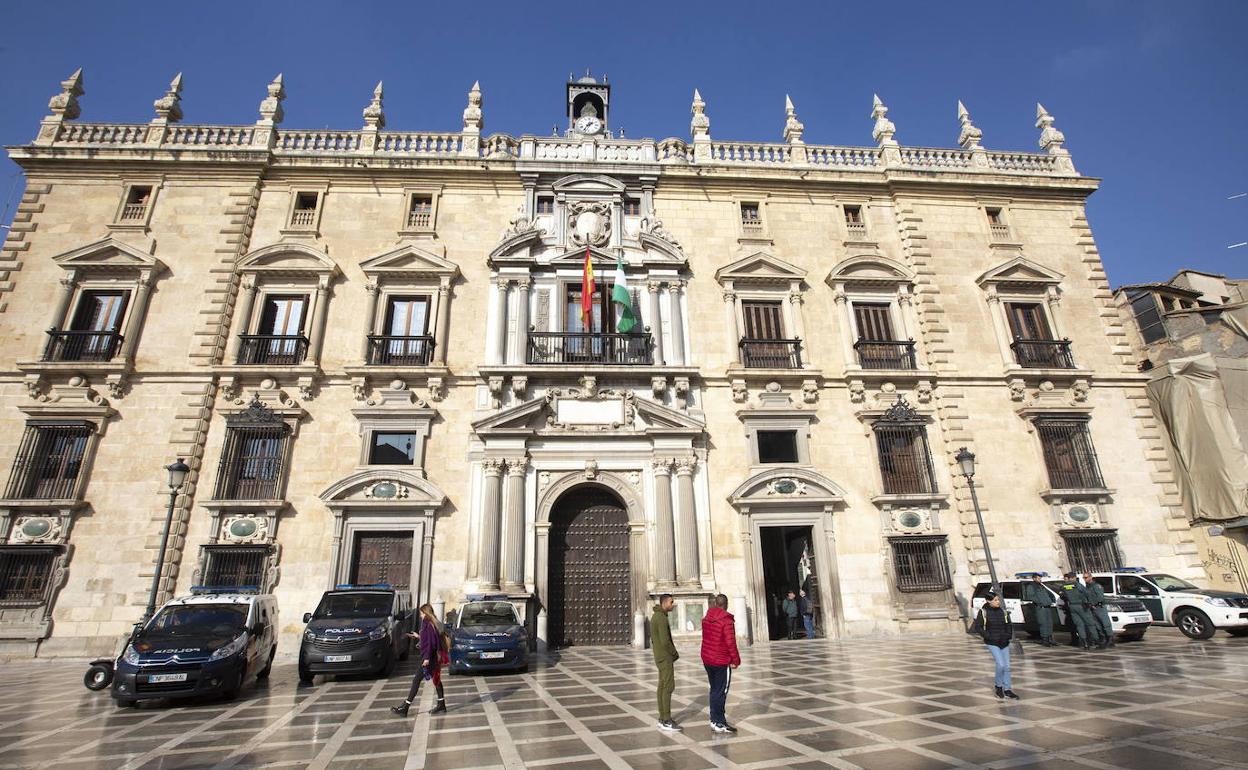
{"x": 588, "y": 102}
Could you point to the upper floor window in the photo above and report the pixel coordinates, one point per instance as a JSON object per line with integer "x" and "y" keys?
{"x": 279, "y": 334}
{"x": 545, "y": 204}
{"x": 420, "y": 212}
{"x": 94, "y": 332}
{"x": 49, "y": 461}
{"x": 751, "y": 218}
{"x": 1147, "y": 316}
{"x": 997, "y": 226}
{"x": 134, "y": 209}
{"x": 251, "y": 463}
{"x": 764, "y": 344}
{"x": 878, "y": 346}
{"x": 920, "y": 564}
{"x": 406, "y": 340}
{"x": 280, "y": 316}
{"x": 1024, "y": 301}
{"x": 855, "y": 223}
{"x": 303, "y": 214}
{"x": 905, "y": 458}
{"x": 632, "y": 207}
{"x": 26, "y": 574}
{"x": 1068, "y": 453}
{"x": 777, "y": 446}
{"x": 390, "y": 448}
{"x": 1033, "y": 345}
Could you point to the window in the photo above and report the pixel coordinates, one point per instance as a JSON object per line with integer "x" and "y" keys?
{"x": 1092, "y": 550}
{"x": 1147, "y": 316}
{"x": 919, "y": 564}
{"x": 251, "y": 465}
{"x": 877, "y": 347}
{"x": 777, "y": 446}
{"x": 751, "y": 218}
{"x": 406, "y": 341}
{"x": 764, "y": 345}
{"x": 1033, "y": 345}
{"x": 420, "y": 212}
{"x": 855, "y": 224}
{"x": 1068, "y": 453}
{"x": 25, "y": 574}
{"x": 279, "y": 334}
{"x": 632, "y": 207}
{"x": 233, "y": 565}
{"x": 49, "y": 461}
{"x": 997, "y": 226}
{"x": 304, "y": 213}
{"x": 1130, "y": 585}
{"x": 94, "y": 328}
{"x": 135, "y": 207}
{"x": 905, "y": 461}
{"x": 392, "y": 449}
{"x": 545, "y": 204}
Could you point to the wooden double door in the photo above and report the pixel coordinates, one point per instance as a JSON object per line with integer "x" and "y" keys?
{"x": 382, "y": 557}
{"x": 588, "y": 600}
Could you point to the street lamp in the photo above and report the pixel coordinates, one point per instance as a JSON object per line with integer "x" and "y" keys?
{"x": 177, "y": 475}
{"x": 966, "y": 461}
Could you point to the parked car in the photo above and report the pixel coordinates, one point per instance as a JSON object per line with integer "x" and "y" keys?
{"x": 211, "y": 642}
{"x": 1129, "y": 617}
{"x": 356, "y": 629}
{"x": 1198, "y": 612}
{"x": 488, "y": 636}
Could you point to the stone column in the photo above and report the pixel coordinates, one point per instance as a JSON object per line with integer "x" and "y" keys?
{"x": 487, "y": 573}
{"x": 687, "y": 524}
{"x": 910, "y": 324}
{"x": 730, "y": 306}
{"x": 60, "y": 316}
{"x": 665, "y": 530}
{"x": 498, "y": 354}
{"x": 443, "y": 326}
{"x": 318, "y": 320}
{"x": 138, "y": 314}
{"x": 513, "y": 548}
{"x": 799, "y": 328}
{"x": 370, "y": 316}
{"x": 1003, "y": 330}
{"x": 656, "y": 321}
{"x": 242, "y": 317}
{"x": 522, "y": 321}
{"x": 844, "y": 317}
{"x": 676, "y": 321}
{"x": 1054, "y": 301}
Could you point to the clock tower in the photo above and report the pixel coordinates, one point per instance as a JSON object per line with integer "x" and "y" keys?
{"x": 588, "y": 101}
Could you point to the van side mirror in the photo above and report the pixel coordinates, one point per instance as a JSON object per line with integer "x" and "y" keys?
{"x": 307, "y": 617}
{"x": 257, "y": 629}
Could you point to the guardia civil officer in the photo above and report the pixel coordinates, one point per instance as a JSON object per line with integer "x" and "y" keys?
{"x": 1076, "y": 610}
{"x": 1036, "y": 593}
{"x": 1100, "y": 615}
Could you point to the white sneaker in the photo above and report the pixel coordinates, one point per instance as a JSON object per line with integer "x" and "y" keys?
{"x": 717, "y": 727}
{"x": 668, "y": 726}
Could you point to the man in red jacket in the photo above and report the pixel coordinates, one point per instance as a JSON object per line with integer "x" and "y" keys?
{"x": 720, "y": 657}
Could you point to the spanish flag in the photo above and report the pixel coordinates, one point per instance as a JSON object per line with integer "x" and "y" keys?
{"x": 587, "y": 294}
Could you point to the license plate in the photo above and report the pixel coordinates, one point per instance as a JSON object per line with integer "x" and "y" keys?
{"x": 158, "y": 678}
{"x": 337, "y": 658}
{"x": 492, "y": 655}
{"x": 1141, "y": 618}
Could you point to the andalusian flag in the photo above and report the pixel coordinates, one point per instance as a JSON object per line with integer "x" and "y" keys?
{"x": 623, "y": 299}
{"x": 587, "y": 294}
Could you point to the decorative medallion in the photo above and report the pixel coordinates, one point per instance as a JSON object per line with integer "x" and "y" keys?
{"x": 245, "y": 529}
{"x": 1079, "y": 514}
{"x": 786, "y": 486}
{"x": 590, "y": 223}
{"x": 385, "y": 490}
{"x": 37, "y": 529}
{"x": 910, "y": 520}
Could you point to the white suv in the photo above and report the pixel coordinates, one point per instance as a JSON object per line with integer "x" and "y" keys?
{"x": 1198, "y": 612}
{"x": 1129, "y": 617}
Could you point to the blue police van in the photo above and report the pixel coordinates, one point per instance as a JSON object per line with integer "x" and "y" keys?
{"x": 488, "y": 636}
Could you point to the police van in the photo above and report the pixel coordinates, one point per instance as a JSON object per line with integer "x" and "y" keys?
{"x": 1198, "y": 612}
{"x": 1129, "y": 617}
{"x": 209, "y": 643}
{"x": 357, "y": 629}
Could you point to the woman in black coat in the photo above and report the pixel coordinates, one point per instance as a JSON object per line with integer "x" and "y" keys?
{"x": 994, "y": 627}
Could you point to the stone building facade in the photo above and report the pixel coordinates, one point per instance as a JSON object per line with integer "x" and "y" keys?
{"x": 371, "y": 348}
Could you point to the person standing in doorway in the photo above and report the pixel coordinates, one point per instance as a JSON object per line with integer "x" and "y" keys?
{"x": 720, "y": 657}
{"x": 807, "y": 608}
{"x": 993, "y": 625}
{"x": 1096, "y": 607}
{"x": 665, "y": 657}
{"x": 431, "y": 653}
{"x": 1038, "y": 594}
{"x": 789, "y": 607}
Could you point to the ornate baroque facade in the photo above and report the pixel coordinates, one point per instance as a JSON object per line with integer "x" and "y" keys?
{"x": 371, "y": 349}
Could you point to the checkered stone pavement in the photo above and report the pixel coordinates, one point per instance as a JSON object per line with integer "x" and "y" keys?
{"x": 896, "y": 704}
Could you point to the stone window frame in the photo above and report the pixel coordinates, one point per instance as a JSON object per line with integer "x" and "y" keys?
{"x": 785, "y": 285}
{"x": 282, "y": 268}
{"x": 409, "y": 270}
{"x": 411, "y": 191}
{"x": 902, "y": 412}
{"x": 1007, "y": 237}
{"x": 787, "y": 420}
{"x": 395, "y": 411}
{"x": 142, "y": 224}
{"x": 866, "y": 234}
{"x": 321, "y": 190}
{"x": 1034, "y": 419}
{"x": 872, "y": 278}
{"x": 1022, "y": 280}
{"x": 740, "y": 199}
{"x": 940, "y": 544}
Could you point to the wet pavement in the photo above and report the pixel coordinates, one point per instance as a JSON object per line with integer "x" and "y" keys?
{"x": 897, "y": 704}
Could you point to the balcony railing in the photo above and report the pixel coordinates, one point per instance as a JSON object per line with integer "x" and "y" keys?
{"x": 302, "y": 217}
{"x": 1043, "y": 354}
{"x": 81, "y": 345}
{"x": 771, "y": 354}
{"x": 1000, "y": 232}
{"x": 589, "y": 348}
{"x": 751, "y": 226}
{"x": 389, "y": 350}
{"x": 279, "y": 349}
{"x": 133, "y": 212}
{"x": 48, "y": 462}
{"x": 419, "y": 219}
{"x": 856, "y": 230}
{"x": 886, "y": 354}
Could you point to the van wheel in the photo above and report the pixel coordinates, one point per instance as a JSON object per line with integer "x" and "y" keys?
{"x": 127, "y": 703}
{"x": 1134, "y": 636}
{"x": 268, "y": 667}
{"x": 98, "y": 676}
{"x": 387, "y": 668}
{"x": 1194, "y": 624}
{"x": 305, "y": 676}
{"x": 1237, "y": 631}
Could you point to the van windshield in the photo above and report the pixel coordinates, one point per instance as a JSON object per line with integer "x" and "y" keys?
{"x": 354, "y": 606}
{"x": 488, "y": 614}
{"x": 200, "y": 620}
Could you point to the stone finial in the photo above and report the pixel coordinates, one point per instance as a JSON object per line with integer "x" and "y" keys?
{"x": 169, "y": 107}
{"x": 374, "y": 115}
{"x": 473, "y": 119}
{"x": 271, "y": 108}
{"x": 793, "y": 127}
{"x": 65, "y": 104}
{"x": 884, "y": 128}
{"x": 968, "y": 138}
{"x": 700, "y": 124}
{"x": 1051, "y": 139}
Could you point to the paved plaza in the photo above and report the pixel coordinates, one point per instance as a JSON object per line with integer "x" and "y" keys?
{"x": 1165, "y": 703}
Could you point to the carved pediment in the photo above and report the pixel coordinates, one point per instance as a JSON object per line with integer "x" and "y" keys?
{"x": 603, "y": 259}
{"x": 662, "y": 419}
{"x": 109, "y": 255}
{"x": 383, "y": 488}
{"x": 588, "y": 183}
{"x": 1020, "y": 272}
{"x": 869, "y": 270}
{"x": 576, "y": 409}
{"x": 787, "y": 487}
{"x": 760, "y": 268}
{"x": 518, "y": 245}
{"x": 288, "y": 258}
{"x": 410, "y": 262}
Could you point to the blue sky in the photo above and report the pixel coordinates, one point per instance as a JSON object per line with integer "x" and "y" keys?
{"x": 1152, "y": 96}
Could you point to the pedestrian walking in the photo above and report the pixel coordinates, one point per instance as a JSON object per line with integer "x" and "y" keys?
{"x": 720, "y": 657}
{"x": 1076, "y": 611}
{"x": 1040, "y": 597}
{"x": 665, "y": 657}
{"x": 789, "y": 607}
{"x": 807, "y": 608}
{"x": 993, "y": 625}
{"x": 432, "y": 655}
{"x": 1096, "y": 605}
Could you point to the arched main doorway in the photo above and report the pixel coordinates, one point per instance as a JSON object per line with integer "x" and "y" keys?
{"x": 588, "y": 584}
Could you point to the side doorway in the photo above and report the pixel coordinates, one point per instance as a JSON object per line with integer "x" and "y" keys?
{"x": 789, "y": 564}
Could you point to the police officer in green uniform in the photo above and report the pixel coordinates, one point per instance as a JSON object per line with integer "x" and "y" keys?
{"x": 1076, "y": 610}
{"x": 1100, "y": 615}
{"x": 1040, "y": 598}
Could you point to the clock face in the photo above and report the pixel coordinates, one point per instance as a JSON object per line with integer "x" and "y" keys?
{"x": 588, "y": 124}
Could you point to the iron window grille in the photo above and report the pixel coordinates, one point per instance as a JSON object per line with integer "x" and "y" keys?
{"x": 235, "y": 565}
{"x": 905, "y": 458}
{"x": 919, "y": 563}
{"x": 1068, "y": 454}
{"x": 26, "y": 575}
{"x": 1092, "y": 550}
{"x": 49, "y": 461}
{"x": 255, "y": 451}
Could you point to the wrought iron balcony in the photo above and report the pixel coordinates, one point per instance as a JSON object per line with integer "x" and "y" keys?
{"x": 81, "y": 345}
{"x": 590, "y": 348}
{"x": 886, "y": 354}
{"x": 1043, "y": 354}
{"x": 49, "y": 462}
{"x": 278, "y": 349}
{"x": 771, "y": 354}
{"x": 392, "y": 350}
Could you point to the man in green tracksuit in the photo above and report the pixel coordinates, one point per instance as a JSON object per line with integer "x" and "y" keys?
{"x": 1036, "y": 593}
{"x": 1081, "y": 621}
{"x": 665, "y": 656}
{"x": 1100, "y": 615}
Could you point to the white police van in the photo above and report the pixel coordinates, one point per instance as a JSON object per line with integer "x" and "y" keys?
{"x": 1198, "y": 612}
{"x": 1130, "y": 618}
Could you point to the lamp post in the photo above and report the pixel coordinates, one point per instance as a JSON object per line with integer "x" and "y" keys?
{"x": 966, "y": 460}
{"x": 177, "y": 474}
